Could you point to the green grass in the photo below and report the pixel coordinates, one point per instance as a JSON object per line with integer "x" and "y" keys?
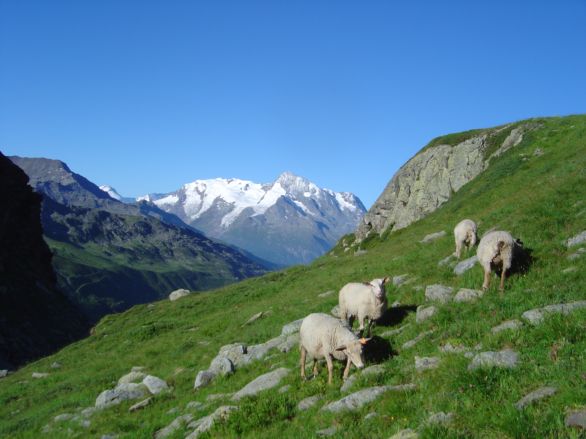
{"x": 539, "y": 199}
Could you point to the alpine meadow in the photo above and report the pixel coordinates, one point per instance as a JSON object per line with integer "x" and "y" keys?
{"x": 448, "y": 372}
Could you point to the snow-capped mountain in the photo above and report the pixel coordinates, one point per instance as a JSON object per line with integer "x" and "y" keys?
{"x": 288, "y": 221}
{"x": 114, "y": 194}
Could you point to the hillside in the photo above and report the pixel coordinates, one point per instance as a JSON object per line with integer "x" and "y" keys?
{"x": 537, "y": 190}
{"x": 109, "y": 256}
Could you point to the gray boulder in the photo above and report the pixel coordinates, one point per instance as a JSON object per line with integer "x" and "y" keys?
{"x": 170, "y": 429}
{"x": 63, "y": 417}
{"x": 3, "y": 373}
{"x": 440, "y": 418}
{"x": 508, "y": 324}
{"x": 356, "y": 400}
{"x": 536, "y": 395}
{"x": 178, "y": 294}
{"x": 438, "y": 293}
{"x": 203, "y": 378}
{"x": 395, "y": 331}
{"x": 448, "y": 260}
{"x": 122, "y": 392}
{"x": 400, "y": 280}
{"x": 132, "y": 377}
{"x": 433, "y": 236}
{"x": 576, "y": 240}
{"x": 377, "y": 369}
{"x": 449, "y": 348}
{"x": 154, "y": 384}
{"x": 468, "y": 295}
{"x": 405, "y": 434}
{"x": 424, "y": 312}
{"x": 326, "y": 294}
{"x": 413, "y": 342}
{"x": 204, "y": 424}
{"x": 326, "y": 432}
{"x": 465, "y": 265}
{"x": 263, "y": 382}
{"x": 140, "y": 405}
{"x": 221, "y": 366}
{"x": 426, "y": 363}
{"x": 506, "y": 359}
{"x": 291, "y": 328}
{"x": 536, "y": 316}
{"x": 285, "y": 388}
{"x": 576, "y": 418}
{"x": 309, "y": 402}
{"x": 39, "y": 375}
{"x": 255, "y": 317}
{"x": 291, "y": 341}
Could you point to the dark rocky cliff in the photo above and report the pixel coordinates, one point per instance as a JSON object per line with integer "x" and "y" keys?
{"x": 35, "y": 318}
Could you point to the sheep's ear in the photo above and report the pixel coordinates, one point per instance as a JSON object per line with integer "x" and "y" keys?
{"x": 341, "y": 348}
{"x": 386, "y": 279}
{"x": 363, "y": 340}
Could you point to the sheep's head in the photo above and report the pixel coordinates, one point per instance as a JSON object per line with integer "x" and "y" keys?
{"x": 378, "y": 287}
{"x": 355, "y": 351}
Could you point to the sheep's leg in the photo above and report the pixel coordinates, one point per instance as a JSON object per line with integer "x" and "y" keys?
{"x": 314, "y": 368}
{"x": 458, "y": 249}
{"x": 371, "y": 325}
{"x": 486, "y": 282}
{"x": 351, "y": 321}
{"x": 302, "y": 362}
{"x": 502, "y": 285}
{"x": 361, "y": 321}
{"x": 347, "y": 369}
{"x": 330, "y": 368}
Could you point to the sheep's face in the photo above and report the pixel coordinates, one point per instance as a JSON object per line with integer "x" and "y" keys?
{"x": 378, "y": 287}
{"x": 354, "y": 351}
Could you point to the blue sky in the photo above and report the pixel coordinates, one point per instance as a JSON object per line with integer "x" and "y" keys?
{"x": 149, "y": 95}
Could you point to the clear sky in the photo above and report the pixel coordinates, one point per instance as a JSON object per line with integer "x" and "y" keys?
{"x": 149, "y": 95}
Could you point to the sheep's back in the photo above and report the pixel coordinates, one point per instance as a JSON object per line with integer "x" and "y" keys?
{"x": 462, "y": 228}
{"x": 488, "y": 247}
{"x": 354, "y": 296}
{"x": 317, "y": 333}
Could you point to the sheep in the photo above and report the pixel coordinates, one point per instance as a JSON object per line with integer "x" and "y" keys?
{"x": 464, "y": 234}
{"x": 497, "y": 250}
{"x": 363, "y": 300}
{"x": 324, "y": 336}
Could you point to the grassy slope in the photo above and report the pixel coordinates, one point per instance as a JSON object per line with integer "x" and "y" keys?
{"x": 541, "y": 199}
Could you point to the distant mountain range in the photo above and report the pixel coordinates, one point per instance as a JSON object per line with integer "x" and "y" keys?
{"x": 288, "y": 221}
{"x": 109, "y": 255}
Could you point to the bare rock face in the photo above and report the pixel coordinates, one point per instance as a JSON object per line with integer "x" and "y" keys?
{"x": 430, "y": 178}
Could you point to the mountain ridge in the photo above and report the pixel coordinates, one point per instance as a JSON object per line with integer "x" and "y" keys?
{"x": 110, "y": 255}
{"x": 266, "y": 219}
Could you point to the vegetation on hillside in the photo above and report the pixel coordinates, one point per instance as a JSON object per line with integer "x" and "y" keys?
{"x": 539, "y": 198}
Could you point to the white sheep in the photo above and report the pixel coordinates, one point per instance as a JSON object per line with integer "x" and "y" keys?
{"x": 464, "y": 234}
{"x": 496, "y": 250}
{"x": 324, "y": 336}
{"x": 363, "y": 300}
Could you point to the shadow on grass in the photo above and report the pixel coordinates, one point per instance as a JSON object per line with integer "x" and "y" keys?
{"x": 378, "y": 350}
{"x": 394, "y": 316}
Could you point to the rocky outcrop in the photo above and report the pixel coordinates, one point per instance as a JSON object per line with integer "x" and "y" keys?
{"x": 35, "y": 318}
{"x": 430, "y": 178}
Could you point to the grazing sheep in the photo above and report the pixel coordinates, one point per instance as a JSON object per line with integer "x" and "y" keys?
{"x": 324, "y": 336}
{"x": 363, "y": 300}
{"x": 496, "y": 251}
{"x": 464, "y": 234}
